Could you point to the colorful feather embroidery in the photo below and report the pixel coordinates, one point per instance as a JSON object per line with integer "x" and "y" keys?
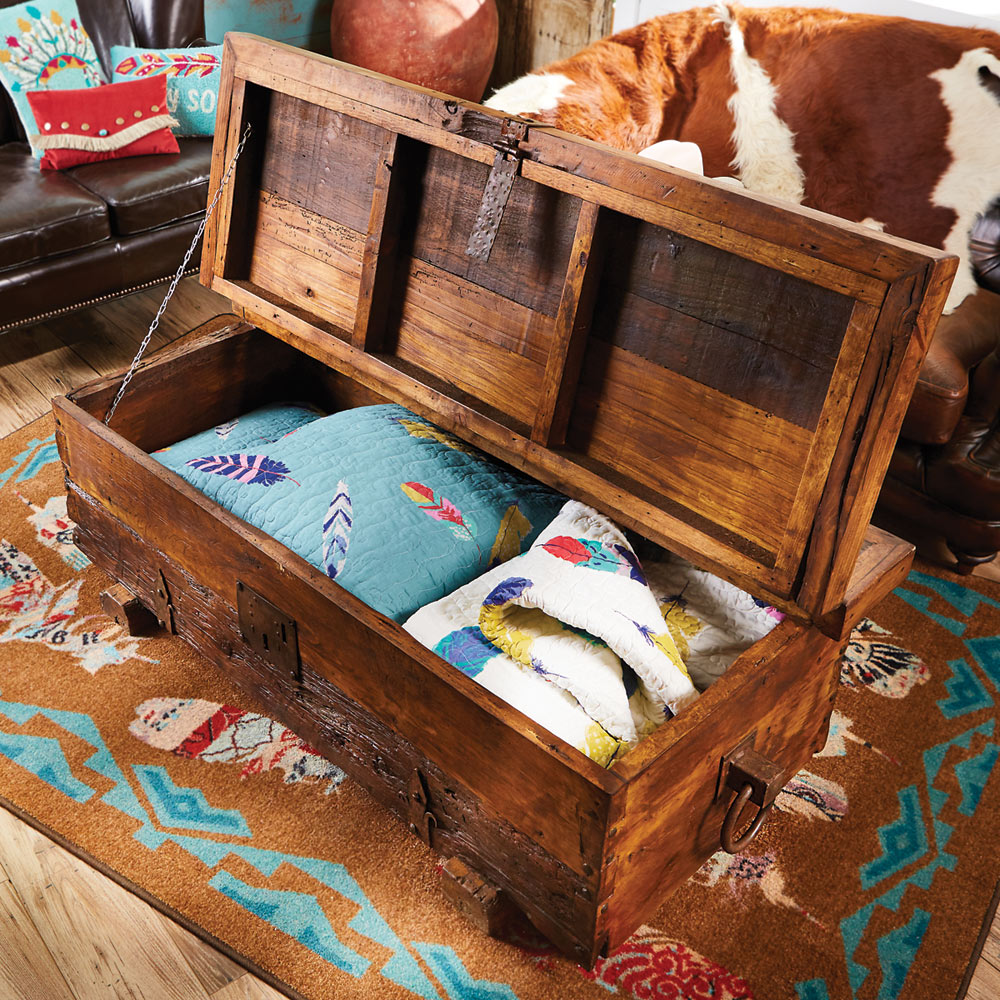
{"x": 441, "y": 509}
{"x": 592, "y": 554}
{"x": 337, "y": 531}
{"x": 514, "y": 528}
{"x": 468, "y": 649}
{"x": 663, "y": 641}
{"x": 258, "y": 470}
{"x": 224, "y": 430}
{"x": 200, "y": 64}
{"x": 418, "y": 429}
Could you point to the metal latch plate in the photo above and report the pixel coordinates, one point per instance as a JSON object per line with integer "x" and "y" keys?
{"x": 422, "y": 821}
{"x": 497, "y": 191}
{"x": 268, "y": 630}
{"x": 163, "y": 606}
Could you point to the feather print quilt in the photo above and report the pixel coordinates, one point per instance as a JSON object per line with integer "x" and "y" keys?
{"x": 577, "y": 635}
{"x": 394, "y": 509}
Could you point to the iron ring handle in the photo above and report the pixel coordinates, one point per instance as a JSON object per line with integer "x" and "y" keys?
{"x": 731, "y": 844}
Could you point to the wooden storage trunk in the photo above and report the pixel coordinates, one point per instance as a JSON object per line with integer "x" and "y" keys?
{"x": 722, "y": 373}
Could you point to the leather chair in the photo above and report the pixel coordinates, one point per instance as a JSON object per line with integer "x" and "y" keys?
{"x": 943, "y": 483}
{"x": 71, "y": 238}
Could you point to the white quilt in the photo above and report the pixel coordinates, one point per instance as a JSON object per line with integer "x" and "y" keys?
{"x": 580, "y": 637}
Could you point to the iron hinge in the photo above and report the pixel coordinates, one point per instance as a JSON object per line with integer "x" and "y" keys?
{"x": 268, "y": 630}
{"x": 506, "y": 164}
{"x": 422, "y": 820}
{"x": 163, "y": 606}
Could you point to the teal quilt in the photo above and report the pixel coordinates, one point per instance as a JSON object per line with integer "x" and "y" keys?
{"x": 397, "y": 511}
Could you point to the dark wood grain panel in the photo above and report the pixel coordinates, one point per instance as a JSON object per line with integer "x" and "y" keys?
{"x": 306, "y": 151}
{"x": 482, "y": 312}
{"x": 756, "y": 334}
{"x": 438, "y": 333}
{"x": 768, "y": 378}
{"x": 529, "y": 257}
{"x": 736, "y": 465}
{"x": 313, "y": 234}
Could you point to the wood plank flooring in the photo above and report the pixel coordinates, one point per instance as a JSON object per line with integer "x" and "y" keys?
{"x": 66, "y": 931}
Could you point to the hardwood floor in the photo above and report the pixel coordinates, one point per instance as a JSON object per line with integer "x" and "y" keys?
{"x": 66, "y": 931}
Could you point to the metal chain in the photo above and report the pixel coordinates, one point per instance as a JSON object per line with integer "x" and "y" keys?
{"x": 177, "y": 276}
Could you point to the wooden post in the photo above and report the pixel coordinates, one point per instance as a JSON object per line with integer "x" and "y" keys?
{"x": 536, "y": 32}
{"x": 486, "y": 907}
{"x": 569, "y": 333}
{"x": 379, "y": 251}
{"x": 128, "y": 611}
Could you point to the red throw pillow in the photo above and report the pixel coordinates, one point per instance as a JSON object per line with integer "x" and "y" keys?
{"x": 102, "y": 123}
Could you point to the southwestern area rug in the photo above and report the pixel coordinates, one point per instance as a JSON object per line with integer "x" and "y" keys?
{"x": 871, "y": 880}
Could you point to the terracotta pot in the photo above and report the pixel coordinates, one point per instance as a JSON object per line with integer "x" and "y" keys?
{"x": 447, "y": 45}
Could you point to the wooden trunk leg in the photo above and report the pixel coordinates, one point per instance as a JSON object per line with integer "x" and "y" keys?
{"x": 128, "y": 611}
{"x": 489, "y": 909}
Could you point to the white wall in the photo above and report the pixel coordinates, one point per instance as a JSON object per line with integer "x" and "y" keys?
{"x": 982, "y": 13}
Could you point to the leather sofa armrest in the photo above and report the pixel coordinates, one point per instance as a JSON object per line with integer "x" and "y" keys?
{"x": 984, "y": 247}
{"x": 963, "y": 341}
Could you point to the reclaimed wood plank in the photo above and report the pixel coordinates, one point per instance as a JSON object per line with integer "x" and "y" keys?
{"x": 374, "y": 296}
{"x": 314, "y": 234}
{"x": 569, "y": 335}
{"x": 729, "y": 462}
{"x": 319, "y": 286}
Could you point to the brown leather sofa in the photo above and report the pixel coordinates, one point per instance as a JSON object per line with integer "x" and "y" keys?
{"x": 74, "y": 237}
{"x": 944, "y": 479}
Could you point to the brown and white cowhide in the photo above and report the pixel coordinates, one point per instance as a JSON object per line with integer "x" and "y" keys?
{"x": 880, "y": 120}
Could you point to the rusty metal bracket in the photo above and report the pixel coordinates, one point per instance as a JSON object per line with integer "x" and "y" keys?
{"x": 506, "y": 164}
{"x": 755, "y": 779}
{"x": 422, "y": 820}
{"x": 163, "y": 606}
{"x": 268, "y": 630}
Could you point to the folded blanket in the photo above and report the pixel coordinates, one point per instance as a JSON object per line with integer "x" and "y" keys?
{"x": 450, "y": 627}
{"x": 569, "y": 633}
{"x": 576, "y": 606}
{"x": 399, "y": 512}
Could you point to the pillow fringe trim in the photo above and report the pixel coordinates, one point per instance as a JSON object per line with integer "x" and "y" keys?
{"x": 104, "y": 143}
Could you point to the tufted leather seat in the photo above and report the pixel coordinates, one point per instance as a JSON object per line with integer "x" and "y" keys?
{"x": 67, "y": 238}
{"x": 944, "y": 478}
{"x": 44, "y": 213}
{"x": 145, "y": 192}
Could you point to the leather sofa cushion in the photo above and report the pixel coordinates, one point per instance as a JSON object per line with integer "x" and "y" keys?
{"x": 44, "y": 213}
{"x": 146, "y": 192}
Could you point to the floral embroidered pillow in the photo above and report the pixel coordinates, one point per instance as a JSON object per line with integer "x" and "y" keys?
{"x": 192, "y": 77}
{"x": 44, "y": 47}
{"x": 103, "y": 123}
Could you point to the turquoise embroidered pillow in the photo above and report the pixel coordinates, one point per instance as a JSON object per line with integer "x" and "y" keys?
{"x": 193, "y": 77}
{"x": 44, "y": 47}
